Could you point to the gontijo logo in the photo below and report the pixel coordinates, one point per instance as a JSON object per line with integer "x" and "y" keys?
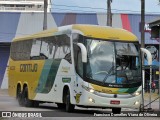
{"x": 28, "y": 67}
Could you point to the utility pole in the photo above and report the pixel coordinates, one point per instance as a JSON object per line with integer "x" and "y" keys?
{"x": 142, "y": 46}
{"x": 142, "y": 22}
{"x": 45, "y": 15}
{"x": 109, "y": 14}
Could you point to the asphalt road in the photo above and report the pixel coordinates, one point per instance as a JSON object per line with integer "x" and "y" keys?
{"x": 10, "y": 104}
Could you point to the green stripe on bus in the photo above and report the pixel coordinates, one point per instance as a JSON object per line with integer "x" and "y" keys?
{"x": 132, "y": 90}
{"x": 48, "y": 76}
{"x": 127, "y": 90}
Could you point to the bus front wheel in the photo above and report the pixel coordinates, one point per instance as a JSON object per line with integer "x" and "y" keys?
{"x": 35, "y": 104}
{"x": 61, "y": 105}
{"x": 69, "y": 106}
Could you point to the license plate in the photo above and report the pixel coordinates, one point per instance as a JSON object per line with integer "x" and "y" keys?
{"x": 115, "y": 102}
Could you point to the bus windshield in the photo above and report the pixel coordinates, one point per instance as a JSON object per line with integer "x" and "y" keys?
{"x": 112, "y": 62}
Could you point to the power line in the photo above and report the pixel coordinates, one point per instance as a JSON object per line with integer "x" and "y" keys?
{"x": 71, "y": 10}
{"x": 79, "y": 6}
{"x": 86, "y": 7}
{"x": 115, "y": 10}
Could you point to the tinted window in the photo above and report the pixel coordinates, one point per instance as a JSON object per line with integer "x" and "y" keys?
{"x": 21, "y": 50}
{"x": 78, "y": 60}
{"x": 55, "y": 47}
{"x": 35, "y": 50}
{"x": 62, "y": 48}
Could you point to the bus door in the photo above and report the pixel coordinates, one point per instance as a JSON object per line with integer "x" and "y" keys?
{"x": 79, "y": 71}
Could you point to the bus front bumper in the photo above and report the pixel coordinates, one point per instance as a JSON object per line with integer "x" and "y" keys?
{"x": 91, "y": 99}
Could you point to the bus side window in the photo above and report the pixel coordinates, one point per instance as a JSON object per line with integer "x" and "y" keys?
{"x": 15, "y": 51}
{"x": 68, "y": 57}
{"x": 27, "y": 45}
{"x": 21, "y": 50}
{"x": 63, "y": 50}
{"x": 44, "y": 53}
{"x": 51, "y": 47}
{"x": 78, "y": 60}
{"x": 66, "y": 49}
{"x": 80, "y": 64}
{"x": 35, "y": 50}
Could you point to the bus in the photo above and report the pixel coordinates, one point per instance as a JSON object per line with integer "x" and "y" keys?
{"x": 80, "y": 65}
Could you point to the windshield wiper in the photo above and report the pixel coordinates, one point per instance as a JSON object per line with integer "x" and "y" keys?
{"x": 109, "y": 73}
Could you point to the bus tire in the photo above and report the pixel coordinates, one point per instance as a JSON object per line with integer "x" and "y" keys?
{"x": 69, "y": 106}
{"x": 36, "y": 104}
{"x": 26, "y": 101}
{"x": 19, "y": 96}
{"x": 61, "y": 105}
{"x": 116, "y": 110}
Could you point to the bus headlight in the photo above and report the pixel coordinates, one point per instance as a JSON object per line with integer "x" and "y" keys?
{"x": 136, "y": 103}
{"x": 91, "y": 100}
{"x": 137, "y": 93}
{"x": 88, "y": 89}
{"x": 91, "y": 90}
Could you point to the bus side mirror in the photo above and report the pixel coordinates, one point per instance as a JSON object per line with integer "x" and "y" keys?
{"x": 83, "y": 51}
{"x": 149, "y": 56}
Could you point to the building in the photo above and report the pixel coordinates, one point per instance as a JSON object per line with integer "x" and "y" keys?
{"x": 14, "y": 24}
{"x": 155, "y": 34}
{"x": 22, "y": 5}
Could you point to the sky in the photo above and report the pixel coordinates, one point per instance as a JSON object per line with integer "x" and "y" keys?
{"x": 118, "y": 6}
